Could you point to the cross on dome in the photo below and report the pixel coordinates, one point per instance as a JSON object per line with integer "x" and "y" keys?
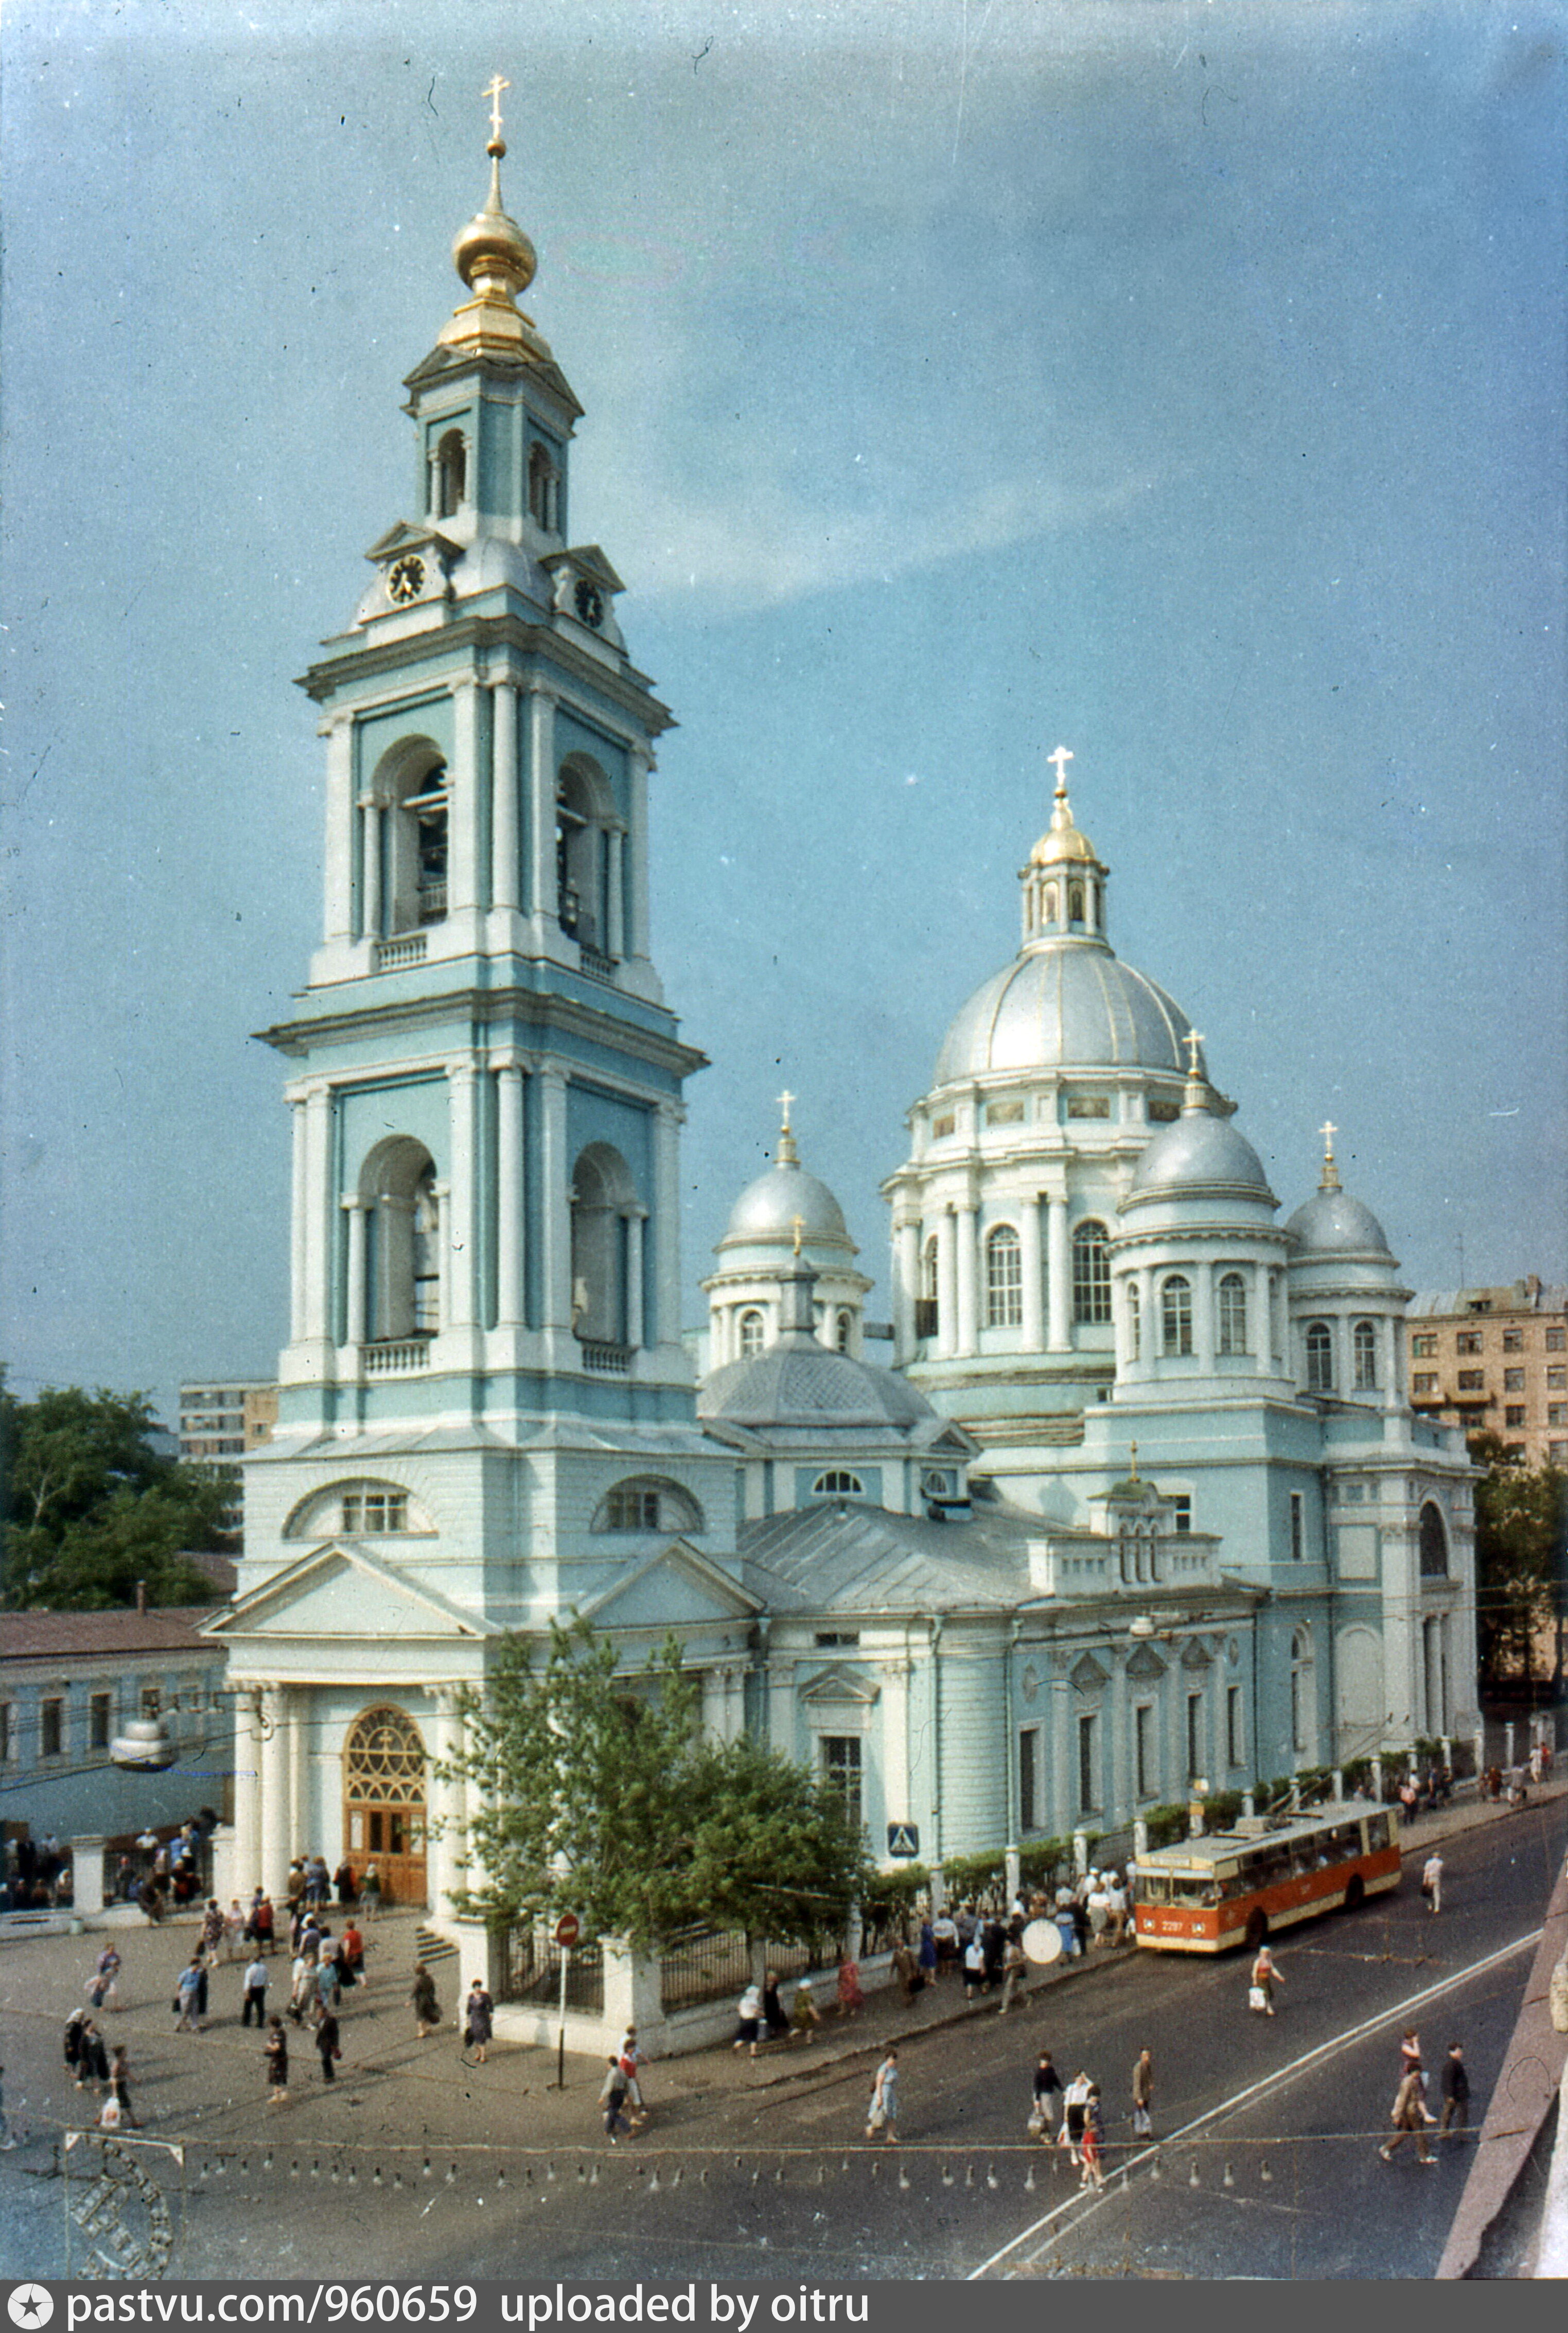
{"x": 1059, "y": 760}
{"x": 493, "y": 92}
{"x": 1331, "y": 1176}
{"x": 1192, "y": 1040}
{"x": 788, "y": 1156}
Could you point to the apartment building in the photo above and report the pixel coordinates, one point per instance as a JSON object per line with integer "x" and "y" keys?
{"x": 1496, "y": 1360}
{"x": 219, "y": 1423}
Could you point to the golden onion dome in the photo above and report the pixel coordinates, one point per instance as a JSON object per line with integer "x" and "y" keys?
{"x": 1062, "y": 842}
{"x": 492, "y": 252}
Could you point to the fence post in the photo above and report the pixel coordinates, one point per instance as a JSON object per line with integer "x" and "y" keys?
{"x": 1140, "y": 1839}
{"x": 1249, "y": 1804}
{"x": 86, "y": 1876}
{"x": 1015, "y": 1873}
{"x": 1339, "y": 1782}
{"x": 1080, "y": 1852}
{"x": 1378, "y": 1777}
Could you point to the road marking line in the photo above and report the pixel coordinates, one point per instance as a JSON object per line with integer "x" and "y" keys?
{"x": 1275, "y": 2080}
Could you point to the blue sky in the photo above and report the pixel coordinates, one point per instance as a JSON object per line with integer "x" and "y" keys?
{"x": 1179, "y": 382}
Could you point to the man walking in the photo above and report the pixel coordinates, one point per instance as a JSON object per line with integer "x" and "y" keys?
{"x": 1432, "y": 1881}
{"x": 255, "y": 1995}
{"x": 1143, "y": 2094}
{"x": 1456, "y": 2094}
{"x": 1410, "y": 2120}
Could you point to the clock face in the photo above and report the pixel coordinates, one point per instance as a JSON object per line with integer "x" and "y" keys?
{"x": 590, "y": 603}
{"x": 405, "y": 581}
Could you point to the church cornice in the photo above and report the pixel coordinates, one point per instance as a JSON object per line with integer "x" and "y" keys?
{"x": 545, "y": 1011}
{"x": 629, "y": 690}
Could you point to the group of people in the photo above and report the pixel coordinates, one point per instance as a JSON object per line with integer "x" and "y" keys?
{"x": 312, "y": 1887}
{"x": 1412, "y": 2115}
{"x": 37, "y": 1875}
{"x": 621, "y": 2095}
{"x": 762, "y": 2017}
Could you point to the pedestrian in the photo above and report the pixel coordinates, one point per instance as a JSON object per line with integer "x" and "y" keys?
{"x": 773, "y": 2009}
{"x": 343, "y": 1881}
{"x": 329, "y": 1990}
{"x": 1014, "y": 1974}
{"x": 327, "y": 2044}
{"x": 974, "y": 1965}
{"x": 1047, "y": 2085}
{"x": 301, "y": 1985}
{"x": 370, "y": 1893}
{"x": 928, "y": 1952}
{"x": 263, "y": 1923}
{"x": 1075, "y": 2106}
{"x": 1408, "y": 2119}
{"x": 187, "y": 1997}
{"x": 631, "y": 2058}
{"x": 945, "y": 1935}
{"x": 77, "y": 2025}
{"x": 1067, "y": 1929}
{"x": 104, "y": 1991}
{"x": 804, "y": 2014}
{"x": 748, "y": 2018}
{"x": 1099, "y": 1909}
{"x": 212, "y": 1929}
{"x": 255, "y": 1995}
{"x": 612, "y": 2098}
{"x": 1143, "y": 2094}
{"x": 1410, "y": 2063}
{"x": 277, "y": 2053}
{"x": 1093, "y": 2137}
{"x": 1455, "y": 2094}
{"x": 478, "y": 2021}
{"x": 352, "y": 1955}
{"x": 1432, "y": 1881}
{"x": 119, "y": 2079}
{"x": 882, "y": 2114}
{"x": 426, "y": 2008}
{"x": 850, "y": 1998}
{"x": 1264, "y": 1977}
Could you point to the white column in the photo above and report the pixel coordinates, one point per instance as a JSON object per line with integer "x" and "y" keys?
{"x": 906, "y": 1286}
{"x": 1058, "y": 1277}
{"x": 339, "y": 903}
{"x": 461, "y": 1222}
{"x": 635, "y": 1219}
{"x": 898, "y": 1779}
{"x": 1032, "y": 1262}
{"x": 319, "y": 1211}
{"x": 441, "y": 1207}
{"x": 1390, "y": 1357}
{"x": 555, "y": 1228}
{"x": 356, "y": 1208}
{"x": 615, "y": 905}
{"x": 1203, "y": 1316}
{"x": 299, "y": 1209}
{"x": 247, "y": 1790}
{"x": 296, "y": 1751}
{"x": 443, "y": 1846}
{"x": 465, "y": 821}
{"x": 506, "y": 866}
{"x": 1259, "y": 1327}
{"x": 541, "y": 887}
{"x": 369, "y": 866}
{"x": 966, "y": 1222}
{"x": 666, "y": 1224}
{"x": 947, "y": 1285}
{"x": 274, "y": 1849}
{"x": 510, "y": 1241}
{"x": 1149, "y": 1345}
{"x": 638, "y": 764}
{"x": 1340, "y": 1332}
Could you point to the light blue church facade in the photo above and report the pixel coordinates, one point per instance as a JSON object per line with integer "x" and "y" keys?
{"x": 1140, "y": 1499}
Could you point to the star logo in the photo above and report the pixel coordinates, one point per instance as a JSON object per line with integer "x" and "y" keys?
{"x": 29, "y": 2305}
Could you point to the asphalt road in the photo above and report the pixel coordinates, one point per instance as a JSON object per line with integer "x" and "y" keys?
{"x": 424, "y": 2168}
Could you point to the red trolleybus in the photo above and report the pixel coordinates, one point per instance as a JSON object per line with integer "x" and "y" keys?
{"x": 1237, "y": 1887}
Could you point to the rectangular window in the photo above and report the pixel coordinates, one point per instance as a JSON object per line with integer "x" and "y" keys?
{"x": 100, "y": 1716}
{"x": 1194, "y": 1736}
{"x": 633, "y": 1510}
{"x": 1088, "y": 1765}
{"x": 1181, "y": 1510}
{"x": 838, "y": 1637}
{"x": 1424, "y": 1381}
{"x": 1029, "y": 1778}
{"x": 1557, "y": 1413}
{"x": 1557, "y": 1380}
{"x": 1472, "y": 1380}
{"x": 1424, "y": 1348}
{"x": 1557, "y": 1454}
{"x": 51, "y": 1729}
{"x": 1513, "y": 1381}
{"x": 1557, "y": 1340}
{"x": 1005, "y": 1113}
{"x": 1514, "y": 1414}
{"x": 839, "y": 1763}
{"x": 941, "y": 1127}
{"x": 1469, "y": 1341}
{"x": 1298, "y": 1527}
{"x": 1235, "y": 1731}
{"x": 1513, "y": 1340}
{"x": 1088, "y": 1105}
{"x": 375, "y": 1511}
{"x": 1143, "y": 1750}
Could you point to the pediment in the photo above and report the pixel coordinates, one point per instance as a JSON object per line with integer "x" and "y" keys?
{"x": 1196, "y": 1656}
{"x": 1088, "y": 1676}
{"x": 342, "y": 1594}
{"x": 837, "y": 1683}
{"x": 676, "y": 1587}
{"x": 1146, "y": 1666}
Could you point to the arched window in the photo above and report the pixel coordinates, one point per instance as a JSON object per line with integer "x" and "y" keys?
{"x": 402, "y": 1212}
{"x": 1134, "y": 1323}
{"x": 751, "y": 1334}
{"x": 646, "y": 1502}
{"x": 1090, "y": 1273}
{"x": 838, "y": 1484}
{"x": 1003, "y": 1279}
{"x": 543, "y": 488}
{"x": 1364, "y": 1357}
{"x": 1232, "y": 1313}
{"x": 405, "y": 874}
{"x": 1053, "y": 903}
{"x": 842, "y": 1332}
{"x": 364, "y": 1507}
{"x": 451, "y": 474}
{"x": 926, "y": 1315}
{"x": 1176, "y": 1315}
{"x": 1075, "y": 903}
{"x": 602, "y": 1197}
{"x": 1434, "y": 1544}
{"x": 1320, "y": 1357}
{"x": 583, "y": 816}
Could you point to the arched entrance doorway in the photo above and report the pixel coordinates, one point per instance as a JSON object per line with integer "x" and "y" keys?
{"x": 384, "y": 1802}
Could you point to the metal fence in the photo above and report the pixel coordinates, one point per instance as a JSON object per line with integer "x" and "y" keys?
{"x": 530, "y": 1971}
{"x": 701, "y": 1965}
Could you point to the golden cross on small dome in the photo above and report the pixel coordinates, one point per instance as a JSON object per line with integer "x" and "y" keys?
{"x": 493, "y": 93}
{"x": 785, "y": 1101}
{"x": 1059, "y": 760}
{"x": 1328, "y": 1129}
{"x": 1330, "y": 1181}
{"x": 788, "y": 1156}
{"x": 1192, "y": 1040}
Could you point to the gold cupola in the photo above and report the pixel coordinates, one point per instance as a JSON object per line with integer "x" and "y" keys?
{"x": 1065, "y": 882}
{"x": 497, "y": 262}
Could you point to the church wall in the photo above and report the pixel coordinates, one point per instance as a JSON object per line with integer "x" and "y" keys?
{"x": 973, "y": 1751}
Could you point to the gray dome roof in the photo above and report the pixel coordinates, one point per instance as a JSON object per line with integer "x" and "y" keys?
{"x": 1200, "y": 1153}
{"x": 806, "y": 1385}
{"x": 766, "y": 1210}
{"x": 1069, "y": 1004}
{"x": 1333, "y": 1223}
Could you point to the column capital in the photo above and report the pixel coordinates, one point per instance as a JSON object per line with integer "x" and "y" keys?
{"x": 540, "y": 692}
{"x": 461, "y": 1067}
{"x": 350, "y": 1200}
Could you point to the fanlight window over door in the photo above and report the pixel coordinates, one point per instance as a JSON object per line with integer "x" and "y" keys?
{"x": 384, "y": 1801}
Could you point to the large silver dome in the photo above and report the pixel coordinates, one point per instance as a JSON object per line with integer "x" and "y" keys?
{"x": 766, "y": 1210}
{"x": 1333, "y": 1223}
{"x": 1073, "y": 1004}
{"x": 1200, "y": 1153}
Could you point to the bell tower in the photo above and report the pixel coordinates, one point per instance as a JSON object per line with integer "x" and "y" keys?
{"x": 487, "y": 1084}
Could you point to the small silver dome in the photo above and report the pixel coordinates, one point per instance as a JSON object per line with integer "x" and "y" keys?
{"x": 1070, "y": 1004}
{"x": 804, "y": 1384}
{"x": 766, "y": 1210}
{"x": 1199, "y": 1153}
{"x": 1333, "y": 1223}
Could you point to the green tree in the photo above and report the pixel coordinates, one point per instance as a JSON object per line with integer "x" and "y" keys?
{"x": 89, "y": 1507}
{"x": 1521, "y": 1526}
{"x": 595, "y": 1793}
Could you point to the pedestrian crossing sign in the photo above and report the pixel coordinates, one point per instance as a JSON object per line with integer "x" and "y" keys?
{"x": 903, "y": 1839}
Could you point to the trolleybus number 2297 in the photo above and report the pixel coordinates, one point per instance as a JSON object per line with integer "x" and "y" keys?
{"x": 1237, "y": 1887}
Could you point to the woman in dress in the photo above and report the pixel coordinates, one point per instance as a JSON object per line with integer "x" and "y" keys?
{"x": 773, "y": 2009}
{"x": 1264, "y": 1977}
{"x": 276, "y": 2054}
{"x": 882, "y": 2114}
{"x": 852, "y": 2000}
{"x": 1093, "y": 2175}
{"x": 748, "y": 2017}
{"x": 804, "y": 2014}
{"x": 120, "y": 2087}
{"x": 479, "y": 2012}
{"x": 426, "y": 2008}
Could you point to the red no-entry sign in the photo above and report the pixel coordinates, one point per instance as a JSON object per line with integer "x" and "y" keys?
{"x": 568, "y": 1928}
